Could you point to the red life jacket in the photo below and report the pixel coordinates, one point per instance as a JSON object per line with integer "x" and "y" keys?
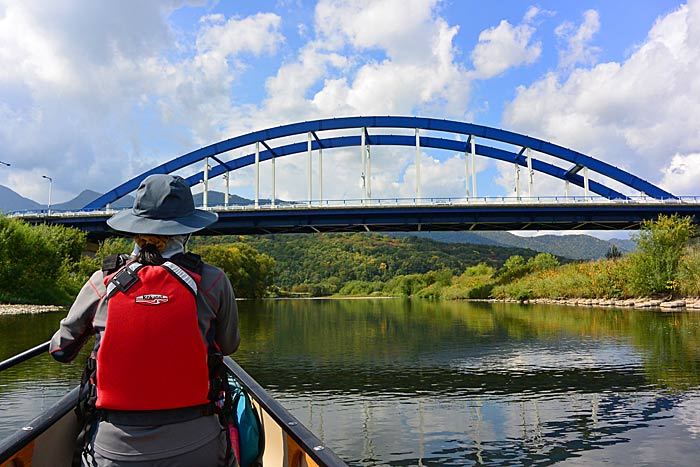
{"x": 151, "y": 342}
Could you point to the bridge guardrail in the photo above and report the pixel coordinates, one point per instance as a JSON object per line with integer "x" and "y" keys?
{"x": 391, "y": 202}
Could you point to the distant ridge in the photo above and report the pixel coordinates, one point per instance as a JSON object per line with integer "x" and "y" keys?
{"x": 12, "y": 201}
{"x": 569, "y": 246}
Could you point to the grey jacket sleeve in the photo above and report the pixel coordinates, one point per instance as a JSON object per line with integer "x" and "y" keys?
{"x": 76, "y": 328}
{"x": 221, "y": 297}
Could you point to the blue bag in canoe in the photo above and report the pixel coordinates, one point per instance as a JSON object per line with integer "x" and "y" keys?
{"x": 246, "y": 428}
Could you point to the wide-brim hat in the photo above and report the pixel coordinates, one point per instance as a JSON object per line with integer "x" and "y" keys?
{"x": 163, "y": 206}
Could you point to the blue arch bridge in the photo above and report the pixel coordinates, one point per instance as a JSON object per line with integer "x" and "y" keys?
{"x": 601, "y": 207}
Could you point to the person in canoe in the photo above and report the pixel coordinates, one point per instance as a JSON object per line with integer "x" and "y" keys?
{"x": 162, "y": 319}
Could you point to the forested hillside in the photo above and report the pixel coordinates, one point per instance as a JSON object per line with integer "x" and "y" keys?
{"x": 571, "y": 246}
{"x": 341, "y": 258}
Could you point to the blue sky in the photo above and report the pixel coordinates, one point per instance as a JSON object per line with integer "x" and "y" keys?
{"x": 95, "y": 92}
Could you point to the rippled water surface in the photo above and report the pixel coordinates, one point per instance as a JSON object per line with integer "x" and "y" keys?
{"x": 395, "y": 382}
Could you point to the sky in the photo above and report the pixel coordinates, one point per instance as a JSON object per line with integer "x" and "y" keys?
{"x": 93, "y": 92}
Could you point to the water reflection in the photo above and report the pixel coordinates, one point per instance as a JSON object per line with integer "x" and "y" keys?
{"x": 396, "y": 382}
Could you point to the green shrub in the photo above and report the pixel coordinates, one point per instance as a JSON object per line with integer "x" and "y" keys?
{"x": 660, "y": 245}
{"x": 249, "y": 271}
{"x": 39, "y": 264}
{"x": 514, "y": 268}
{"x": 480, "y": 292}
{"x": 689, "y": 272}
{"x": 543, "y": 262}
{"x": 407, "y": 285}
{"x": 361, "y": 288}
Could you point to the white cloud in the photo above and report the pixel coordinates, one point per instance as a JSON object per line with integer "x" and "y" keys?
{"x": 577, "y": 40}
{"x": 401, "y": 28}
{"x": 378, "y": 57}
{"x": 681, "y": 175}
{"x": 256, "y": 34}
{"x": 505, "y": 46}
{"x": 90, "y": 88}
{"x": 635, "y": 114}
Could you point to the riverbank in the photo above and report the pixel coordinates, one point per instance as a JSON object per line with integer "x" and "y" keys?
{"x": 28, "y": 309}
{"x": 689, "y": 303}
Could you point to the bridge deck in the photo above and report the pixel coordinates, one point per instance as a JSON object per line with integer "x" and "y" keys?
{"x": 397, "y": 217}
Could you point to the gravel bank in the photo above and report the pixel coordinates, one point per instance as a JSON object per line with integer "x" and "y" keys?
{"x": 27, "y": 309}
{"x": 690, "y": 303}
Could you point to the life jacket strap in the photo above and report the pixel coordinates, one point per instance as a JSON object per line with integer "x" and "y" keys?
{"x": 155, "y": 417}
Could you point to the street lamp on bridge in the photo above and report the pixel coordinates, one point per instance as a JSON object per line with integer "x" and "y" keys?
{"x": 48, "y": 209}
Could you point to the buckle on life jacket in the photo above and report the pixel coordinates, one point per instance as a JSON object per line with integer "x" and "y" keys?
{"x": 124, "y": 279}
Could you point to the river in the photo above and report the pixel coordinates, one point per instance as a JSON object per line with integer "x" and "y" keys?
{"x": 404, "y": 382}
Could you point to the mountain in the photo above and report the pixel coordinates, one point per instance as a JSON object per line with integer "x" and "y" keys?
{"x": 569, "y": 246}
{"x": 86, "y": 196}
{"x": 11, "y": 201}
{"x": 216, "y": 198}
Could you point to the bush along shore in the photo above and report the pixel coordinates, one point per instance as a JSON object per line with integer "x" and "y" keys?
{"x": 45, "y": 265}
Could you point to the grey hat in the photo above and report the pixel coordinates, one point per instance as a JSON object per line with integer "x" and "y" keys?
{"x": 163, "y": 206}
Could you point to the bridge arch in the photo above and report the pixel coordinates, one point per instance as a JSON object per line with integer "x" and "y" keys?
{"x": 471, "y": 131}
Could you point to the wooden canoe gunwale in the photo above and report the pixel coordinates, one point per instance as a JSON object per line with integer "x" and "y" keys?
{"x": 32, "y": 430}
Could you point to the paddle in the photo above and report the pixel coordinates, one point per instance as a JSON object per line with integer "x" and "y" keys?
{"x": 26, "y": 355}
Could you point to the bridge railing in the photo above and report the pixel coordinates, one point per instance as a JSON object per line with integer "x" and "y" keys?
{"x": 267, "y": 205}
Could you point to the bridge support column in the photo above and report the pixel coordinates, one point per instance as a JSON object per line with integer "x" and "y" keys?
{"x": 473, "y": 157}
{"x": 586, "y": 193}
{"x": 257, "y": 174}
{"x": 274, "y": 177}
{"x": 320, "y": 173}
{"x": 205, "y": 194}
{"x": 369, "y": 172}
{"x": 517, "y": 181}
{"x": 309, "y": 168}
{"x": 419, "y": 195}
{"x": 363, "y": 153}
{"x": 566, "y": 190}
{"x": 467, "y": 175}
{"x": 530, "y": 172}
{"x": 227, "y": 176}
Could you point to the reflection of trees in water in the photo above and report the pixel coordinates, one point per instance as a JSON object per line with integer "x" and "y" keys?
{"x": 368, "y": 340}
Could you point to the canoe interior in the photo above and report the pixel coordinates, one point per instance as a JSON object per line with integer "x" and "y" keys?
{"x": 49, "y": 439}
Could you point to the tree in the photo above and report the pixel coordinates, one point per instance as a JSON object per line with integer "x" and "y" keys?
{"x": 613, "y": 253}
{"x": 660, "y": 245}
{"x": 543, "y": 262}
{"x": 37, "y": 264}
{"x": 513, "y": 268}
{"x": 249, "y": 271}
